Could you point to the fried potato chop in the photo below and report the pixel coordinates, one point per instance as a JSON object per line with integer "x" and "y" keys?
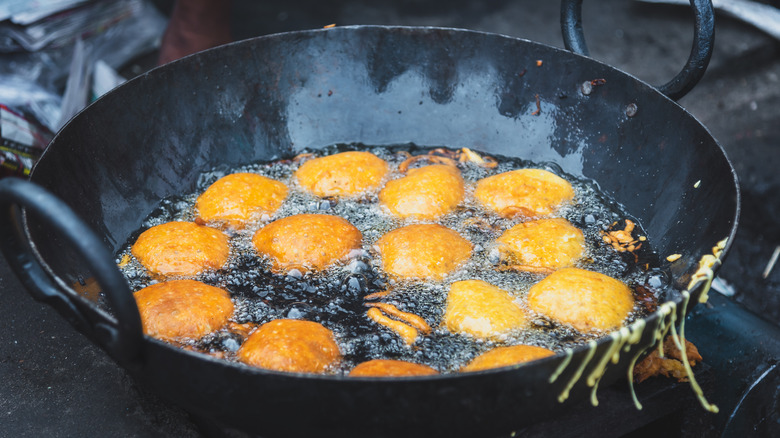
{"x": 343, "y": 174}
{"x": 423, "y": 251}
{"x": 181, "y": 248}
{"x": 307, "y": 241}
{"x": 425, "y": 192}
{"x": 480, "y": 309}
{"x": 390, "y": 368}
{"x": 542, "y": 245}
{"x": 524, "y": 193}
{"x": 586, "y": 300}
{"x": 183, "y": 309}
{"x": 235, "y": 199}
{"x": 505, "y": 356}
{"x": 291, "y": 345}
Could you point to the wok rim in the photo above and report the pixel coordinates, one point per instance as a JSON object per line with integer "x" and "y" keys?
{"x": 242, "y": 368}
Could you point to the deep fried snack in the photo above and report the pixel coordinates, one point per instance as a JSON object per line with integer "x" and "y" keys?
{"x": 523, "y": 192}
{"x": 240, "y": 197}
{"x": 291, "y": 345}
{"x": 405, "y": 331}
{"x": 390, "y": 368}
{"x": 423, "y": 251}
{"x": 182, "y": 309}
{"x": 307, "y": 241}
{"x": 343, "y": 174}
{"x": 670, "y": 366}
{"x": 482, "y": 310}
{"x": 410, "y": 318}
{"x": 586, "y": 300}
{"x": 542, "y": 245}
{"x": 505, "y": 356}
{"x": 181, "y": 248}
{"x": 425, "y": 192}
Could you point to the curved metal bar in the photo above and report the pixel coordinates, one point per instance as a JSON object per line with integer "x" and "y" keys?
{"x": 122, "y": 340}
{"x": 698, "y": 60}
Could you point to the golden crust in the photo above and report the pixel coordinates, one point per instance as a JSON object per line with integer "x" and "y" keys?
{"x": 343, "y": 174}
{"x": 423, "y": 251}
{"x": 240, "y": 197}
{"x": 524, "y": 192}
{"x": 291, "y": 345}
{"x": 542, "y": 245}
{"x": 482, "y": 310}
{"x": 183, "y": 309}
{"x": 181, "y": 248}
{"x": 505, "y": 356}
{"x": 586, "y": 300}
{"x": 390, "y": 368}
{"x": 425, "y": 192}
{"x": 307, "y": 241}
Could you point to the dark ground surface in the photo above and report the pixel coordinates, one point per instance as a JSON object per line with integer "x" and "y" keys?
{"x": 57, "y": 384}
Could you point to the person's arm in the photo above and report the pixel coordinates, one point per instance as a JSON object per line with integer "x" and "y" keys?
{"x": 195, "y": 25}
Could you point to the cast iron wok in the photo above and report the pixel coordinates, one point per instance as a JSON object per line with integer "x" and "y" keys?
{"x": 271, "y": 97}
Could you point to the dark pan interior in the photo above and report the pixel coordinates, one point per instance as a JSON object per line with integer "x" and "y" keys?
{"x": 272, "y": 96}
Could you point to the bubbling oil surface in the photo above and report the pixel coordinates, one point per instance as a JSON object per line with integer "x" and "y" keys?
{"x": 335, "y": 297}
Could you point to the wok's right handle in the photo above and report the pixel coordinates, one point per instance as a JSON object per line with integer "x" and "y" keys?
{"x": 121, "y": 339}
{"x": 703, "y": 42}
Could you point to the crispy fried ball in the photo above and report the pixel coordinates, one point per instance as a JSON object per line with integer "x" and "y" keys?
{"x": 307, "y": 241}
{"x": 482, "y": 310}
{"x": 425, "y": 192}
{"x": 586, "y": 300}
{"x": 240, "y": 197}
{"x": 505, "y": 356}
{"x": 423, "y": 251}
{"x": 524, "y": 192}
{"x": 181, "y": 248}
{"x": 542, "y": 245}
{"x": 343, "y": 174}
{"x": 291, "y": 345}
{"x": 390, "y": 368}
{"x": 182, "y": 309}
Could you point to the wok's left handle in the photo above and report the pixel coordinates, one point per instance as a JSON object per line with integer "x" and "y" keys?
{"x": 692, "y": 72}
{"x": 123, "y": 339}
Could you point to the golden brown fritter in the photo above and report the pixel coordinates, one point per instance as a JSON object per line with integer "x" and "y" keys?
{"x": 425, "y": 192}
{"x": 291, "y": 345}
{"x": 505, "y": 356}
{"x": 542, "y": 245}
{"x": 586, "y": 300}
{"x": 390, "y": 368}
{"x": 482, "y": 310}
{"x": 183, "y": 309}
{"x": 524, "y": 193}
{"x": 181, "y": 248}
{"x": 423, "y": 251}
{"x": 307, "y": 241}
{"x": 238, "y": 198}
{"x": 343, "y": 174}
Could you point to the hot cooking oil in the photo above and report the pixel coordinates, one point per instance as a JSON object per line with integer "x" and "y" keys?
{"x": 335, "y": 297}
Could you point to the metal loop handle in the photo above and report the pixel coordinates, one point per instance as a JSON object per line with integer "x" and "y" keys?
{"x": 123, "y": 340}
{"x": 692, "y": 72}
